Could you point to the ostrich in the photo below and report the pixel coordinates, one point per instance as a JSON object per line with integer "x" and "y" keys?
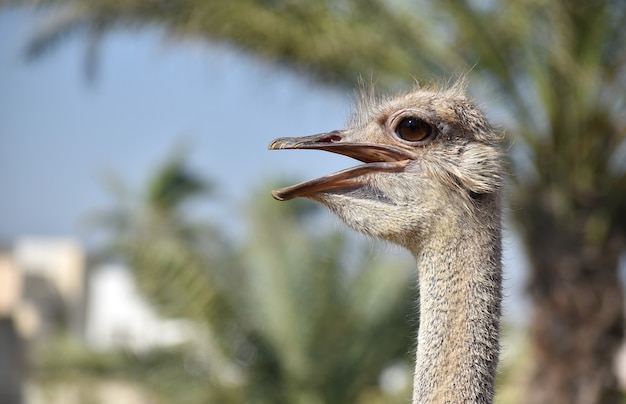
{"x": 431, "y": 183}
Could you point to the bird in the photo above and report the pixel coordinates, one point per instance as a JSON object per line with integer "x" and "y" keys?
{"x": 431, "y": 181}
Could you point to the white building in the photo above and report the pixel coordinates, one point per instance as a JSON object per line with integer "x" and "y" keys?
{"x": 118, "y": 317}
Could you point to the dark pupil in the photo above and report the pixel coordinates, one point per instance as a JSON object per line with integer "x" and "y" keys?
{"x": 413, "y": 129}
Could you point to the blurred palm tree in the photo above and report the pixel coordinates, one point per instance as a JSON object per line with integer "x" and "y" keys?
{"x": 289, "y": 318}
{"x": 559, "y": 66}
{"x": 182, "y": 264}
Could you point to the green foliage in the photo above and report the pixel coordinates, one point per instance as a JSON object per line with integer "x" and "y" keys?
{"x": 174, "y": 185}
{"x": 288, "y": 317}
{"x": 337, "y": 41}
{"x": 161, "y": 376}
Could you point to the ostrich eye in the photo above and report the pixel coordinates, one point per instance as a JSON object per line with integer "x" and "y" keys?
{"x": 413, "y": 129}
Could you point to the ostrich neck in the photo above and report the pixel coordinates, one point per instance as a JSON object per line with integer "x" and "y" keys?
{"x": 460, "y": 277}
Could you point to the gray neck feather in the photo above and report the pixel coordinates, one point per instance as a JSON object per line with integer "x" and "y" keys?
{"x": 460, "y": 276}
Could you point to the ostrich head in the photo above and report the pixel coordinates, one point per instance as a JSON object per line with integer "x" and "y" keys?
{"x": 427, "y": 154}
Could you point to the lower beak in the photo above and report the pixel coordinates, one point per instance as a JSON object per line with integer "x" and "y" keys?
{"x": 377, "y": 158}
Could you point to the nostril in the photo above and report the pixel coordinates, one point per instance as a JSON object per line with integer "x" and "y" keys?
{"x": 331, "y": 138}
{"x": 334, "y": 139}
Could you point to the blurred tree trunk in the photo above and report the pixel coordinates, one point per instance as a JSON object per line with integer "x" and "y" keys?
{"x": 11, "y": 363}
{"x": 577, "y": 322}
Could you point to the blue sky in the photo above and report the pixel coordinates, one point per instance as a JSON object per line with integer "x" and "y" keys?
{"x": 59, "y": 134}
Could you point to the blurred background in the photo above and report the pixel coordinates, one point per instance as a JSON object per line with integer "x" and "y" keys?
{"x": 143, "y": 260}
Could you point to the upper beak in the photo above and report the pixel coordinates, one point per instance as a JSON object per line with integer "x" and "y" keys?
{"x": 339, "y": 142}
{"x": 376, "y": 156}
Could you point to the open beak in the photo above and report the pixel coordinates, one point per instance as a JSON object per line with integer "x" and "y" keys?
{"x": 377, "y": 158}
